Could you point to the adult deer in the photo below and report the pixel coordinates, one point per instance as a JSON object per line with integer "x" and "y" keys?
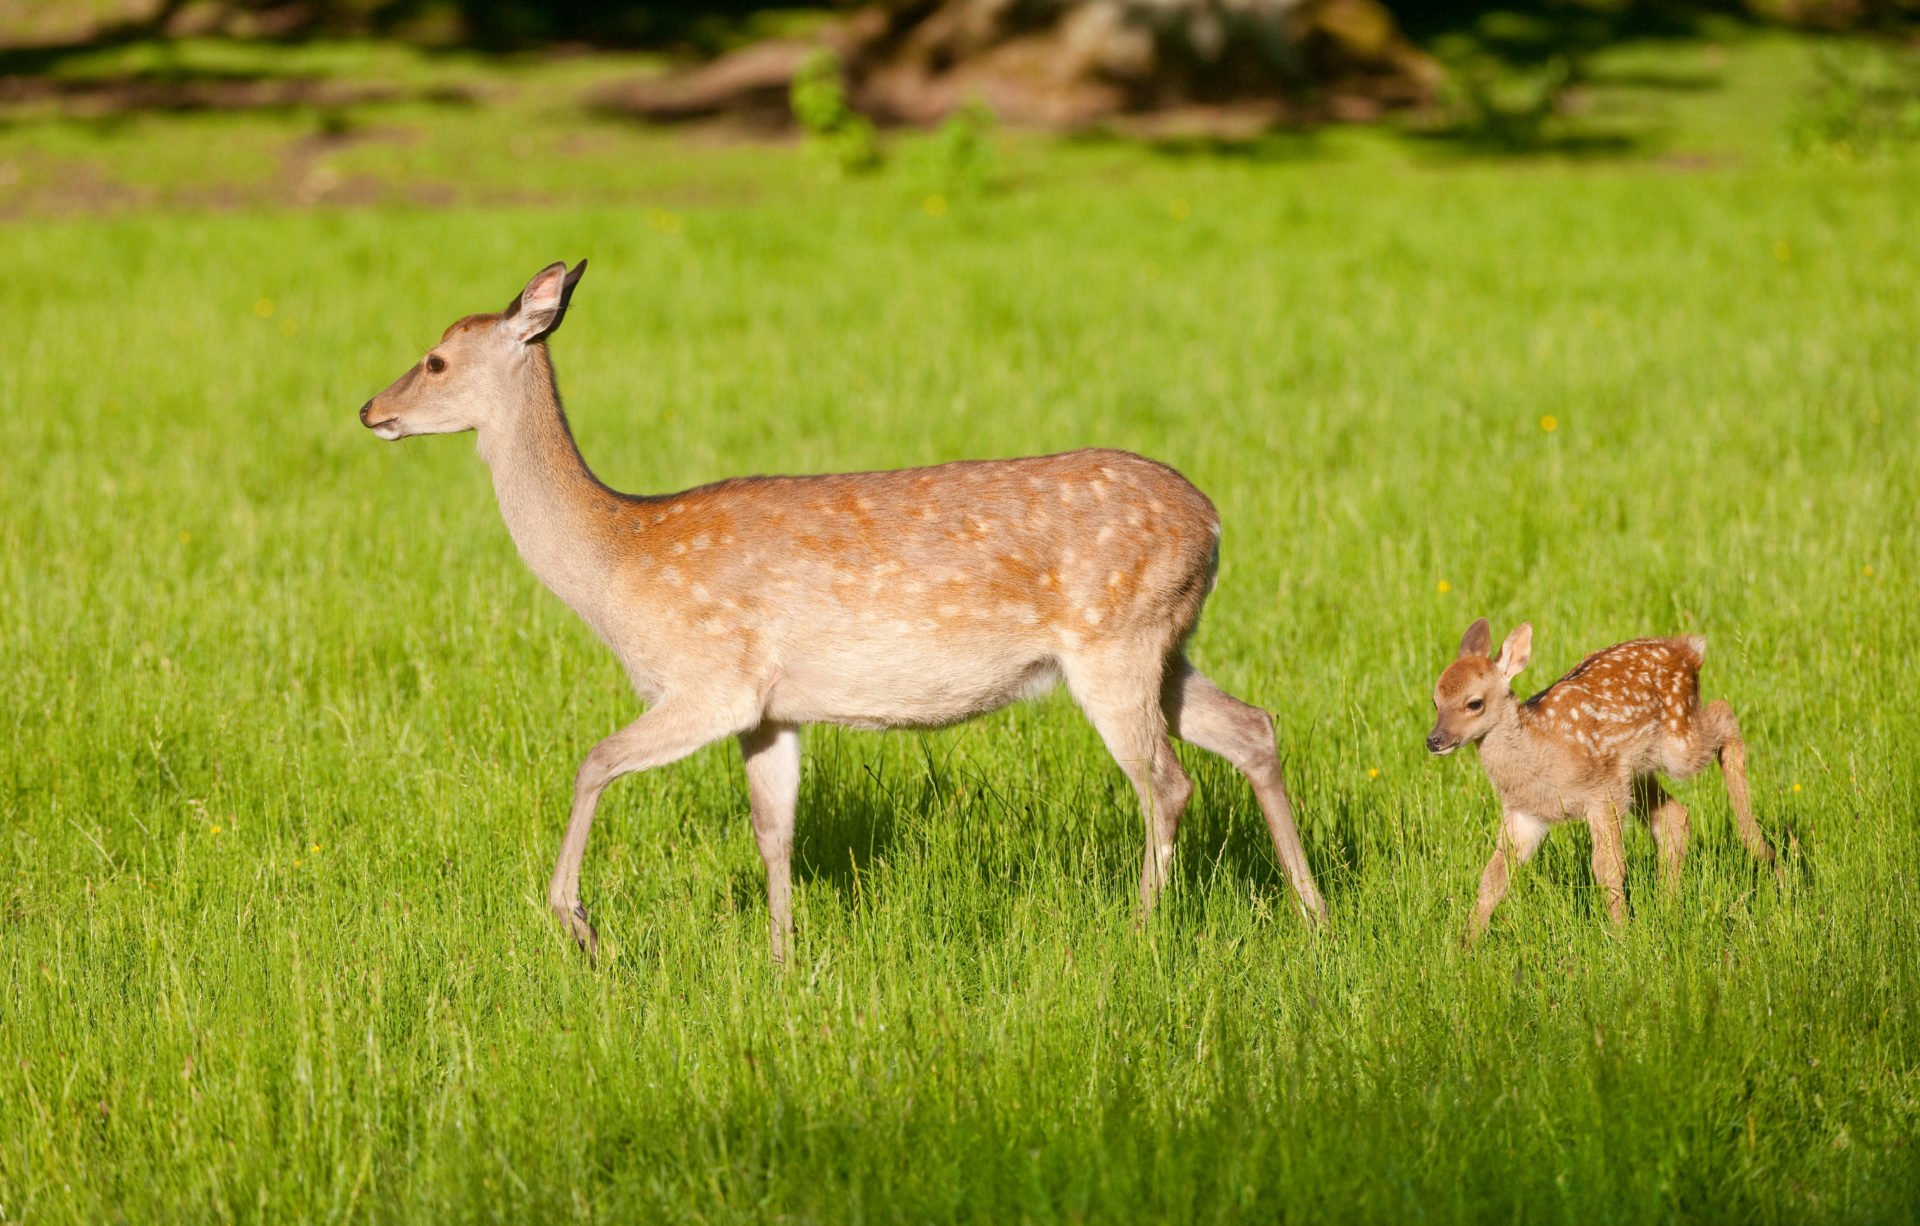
{"x": 1587, "y": 748}
{"x": 913, "y": 598}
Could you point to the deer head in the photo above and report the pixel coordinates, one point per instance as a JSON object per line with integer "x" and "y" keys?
{"x": 1474, "y": 695}
{"x": 476, "y": 373}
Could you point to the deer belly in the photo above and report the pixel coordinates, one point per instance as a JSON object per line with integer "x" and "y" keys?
{"x": 904, "y": 684}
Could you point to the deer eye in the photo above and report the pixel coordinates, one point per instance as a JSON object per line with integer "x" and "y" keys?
{"x": 435, "y": 363}
{"x": 1474, "y": 704}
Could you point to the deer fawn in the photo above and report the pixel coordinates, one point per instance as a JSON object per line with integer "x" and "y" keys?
{"x": 913, "y": 598}
{"x": 1587, "y": 747}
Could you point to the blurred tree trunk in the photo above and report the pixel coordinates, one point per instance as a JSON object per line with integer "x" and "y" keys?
{"x": 1067, "y": 63}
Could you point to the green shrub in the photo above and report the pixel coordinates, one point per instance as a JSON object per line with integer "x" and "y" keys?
{"x": 1865, "y": 104}
{"x": 835, "y": 132}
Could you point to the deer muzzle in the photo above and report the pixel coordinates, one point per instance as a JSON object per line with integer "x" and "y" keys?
{"x": 384, "y": 427}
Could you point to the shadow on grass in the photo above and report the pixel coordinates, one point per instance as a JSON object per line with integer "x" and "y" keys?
{"x": 1482, "y": 140}
{"x": 1223, "y": 843}
{"x": 1273, "y": 146}
{"x": 1518, "y": 76}
{"x": 854, "y": 819}
{"x": 30, "y": 76}
{"x": 1521, "y": 29}
{"x": 844, "y": 830}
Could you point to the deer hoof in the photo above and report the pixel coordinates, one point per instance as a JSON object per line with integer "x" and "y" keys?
{"x": 574, "y": 920}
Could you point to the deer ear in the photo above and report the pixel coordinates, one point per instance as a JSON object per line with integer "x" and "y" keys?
{"x": 1516, "y": 651}
{"x": 1478, "y": 640}
{"x": 537, "y": 312}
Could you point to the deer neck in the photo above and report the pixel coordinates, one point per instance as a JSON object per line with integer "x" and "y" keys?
{"x": 1505, "y": 752}
{"x": 556, "y": 509}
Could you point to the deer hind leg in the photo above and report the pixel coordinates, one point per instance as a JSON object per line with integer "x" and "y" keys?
{"x": 1520, "y": 836}
{"x": 772, "y": 756}
{"x": 1201, "y": 713}
{"x": 1667, "y": 818}
{"x": 1121, "y": 695}
{"x": 1717, "y": 733}
{"x": 668, "y": 732}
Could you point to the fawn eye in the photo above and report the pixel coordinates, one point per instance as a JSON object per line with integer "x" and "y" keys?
{"x": 1474, "y": 704}
{"x": 435, "y": 363}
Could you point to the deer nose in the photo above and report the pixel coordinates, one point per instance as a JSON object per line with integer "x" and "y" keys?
{"x": 1433, "y": 742}
{"x": 364, "y": 410}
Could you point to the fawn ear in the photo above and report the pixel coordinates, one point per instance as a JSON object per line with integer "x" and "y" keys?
{"x": 1516, "y": 651}
{"x": 1478, "y": 640}
{"x": 537, "y": 312}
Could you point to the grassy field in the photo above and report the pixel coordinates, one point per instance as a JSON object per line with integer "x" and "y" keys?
{"x": 290, "y": 730}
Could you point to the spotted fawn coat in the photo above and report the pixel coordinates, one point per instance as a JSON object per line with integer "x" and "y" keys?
{"x": 1589, "y": 748}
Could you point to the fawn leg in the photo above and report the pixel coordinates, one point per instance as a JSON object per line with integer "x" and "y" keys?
{"x": 1520, "y": 836}
{"x": 1667, "y": 818}
{"x": 1716, "y": 730}
{"x": 1609, "y": 858}
{"x": 1201, "y": 713}
{"x": 772, "y": 756}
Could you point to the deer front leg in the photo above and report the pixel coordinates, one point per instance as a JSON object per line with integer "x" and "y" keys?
{"x": 1520, "y": 836}
{"x": 772, "y": 756}
{"x": 667, "y": 733}
{"x": 1609, "y": 858}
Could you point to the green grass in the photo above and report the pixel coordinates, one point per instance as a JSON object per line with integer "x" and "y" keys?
{"x": 290, "y": 730}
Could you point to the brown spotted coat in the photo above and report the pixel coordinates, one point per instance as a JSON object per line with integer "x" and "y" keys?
{"x": 909, "y": 598}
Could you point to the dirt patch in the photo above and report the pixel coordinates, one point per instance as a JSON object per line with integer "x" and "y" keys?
{"x": 305, "y": 178}
{"x": 75, "y": 188}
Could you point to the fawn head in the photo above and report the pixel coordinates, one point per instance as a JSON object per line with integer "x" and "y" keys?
{"x": 475, "y": 373}
{"x": 1475, "y": 693}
